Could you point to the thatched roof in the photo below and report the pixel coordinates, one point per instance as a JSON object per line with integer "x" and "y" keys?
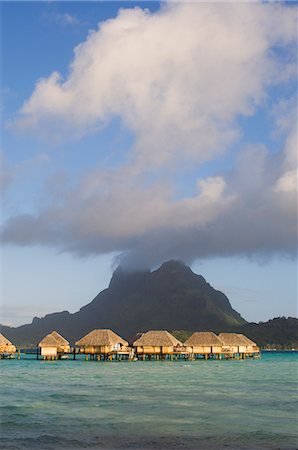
{"x": 203, "y": 338}
{"x": 4, "y": 340}
{"x": 157, "y": 338}
{"x": 49, "y": 341}
{"x": 247, "y": 340}
{"x": 232, "y": 339}
{"x": 59, "y": 338}
{"x": 99, "y": 338}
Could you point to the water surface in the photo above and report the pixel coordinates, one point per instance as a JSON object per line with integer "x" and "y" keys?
{"x": 249, "y": 404}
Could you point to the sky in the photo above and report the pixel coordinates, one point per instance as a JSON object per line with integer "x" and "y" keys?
{"x": 138, "y": 132}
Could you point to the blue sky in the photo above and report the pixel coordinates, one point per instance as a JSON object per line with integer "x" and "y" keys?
{"x": 170, "y": 132}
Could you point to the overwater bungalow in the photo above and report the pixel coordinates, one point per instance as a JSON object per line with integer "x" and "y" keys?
{"x": 204, "y": 343}
{"x": 103, "y": 344}
{"x": 157, "y": 345}
{"x": 63, "y": 343}
{"x": 236, "y": 344}
{"x": 7, "y": 349}
{"x": 53, "y": 346}
{"x": 251, "y": 346}
{"x": 233, "y": 344}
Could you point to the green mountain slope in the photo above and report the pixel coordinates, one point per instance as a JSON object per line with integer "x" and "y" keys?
{"x": 171, "y": 297}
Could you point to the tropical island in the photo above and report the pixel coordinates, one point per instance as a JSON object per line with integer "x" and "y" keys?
{"x": 170, "y": 298}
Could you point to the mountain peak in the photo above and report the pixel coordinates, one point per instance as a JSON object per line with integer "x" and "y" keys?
{"x": 172, "y": 297}
{"x": 121, "y": 275}
{"x": 177, "y": 267}
{"x": 174, "y": 266}
{"x": 171, "y": 269}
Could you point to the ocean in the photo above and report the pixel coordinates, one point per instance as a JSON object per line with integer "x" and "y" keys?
{"x": 234, "y": 404}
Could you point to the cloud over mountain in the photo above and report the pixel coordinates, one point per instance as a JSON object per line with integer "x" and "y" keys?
{"x": 178, "y": 79}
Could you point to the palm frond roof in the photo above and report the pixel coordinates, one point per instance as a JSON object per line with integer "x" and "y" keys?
{"x": 203, "y": 338}
{"x": 157, "y": 338}
{"x": 98, "y": 338}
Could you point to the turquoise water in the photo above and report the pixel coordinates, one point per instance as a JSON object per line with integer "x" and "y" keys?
{"x": 250, "y": 404}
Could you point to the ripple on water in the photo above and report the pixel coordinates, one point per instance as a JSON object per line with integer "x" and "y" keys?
{"x": 167, "y": 405}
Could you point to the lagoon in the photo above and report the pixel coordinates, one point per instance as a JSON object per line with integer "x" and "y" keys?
{"x": 227, "y": 404}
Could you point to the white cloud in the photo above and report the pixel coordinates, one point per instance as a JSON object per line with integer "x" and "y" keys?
{"x": 61, "y": 19}
{"x": 177, "y": 78}
{"x": 287, "y": 182}
{"x": 287, "y": 122}
{"x": 251, "y": 210}
{"x": 69, "y": 19}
